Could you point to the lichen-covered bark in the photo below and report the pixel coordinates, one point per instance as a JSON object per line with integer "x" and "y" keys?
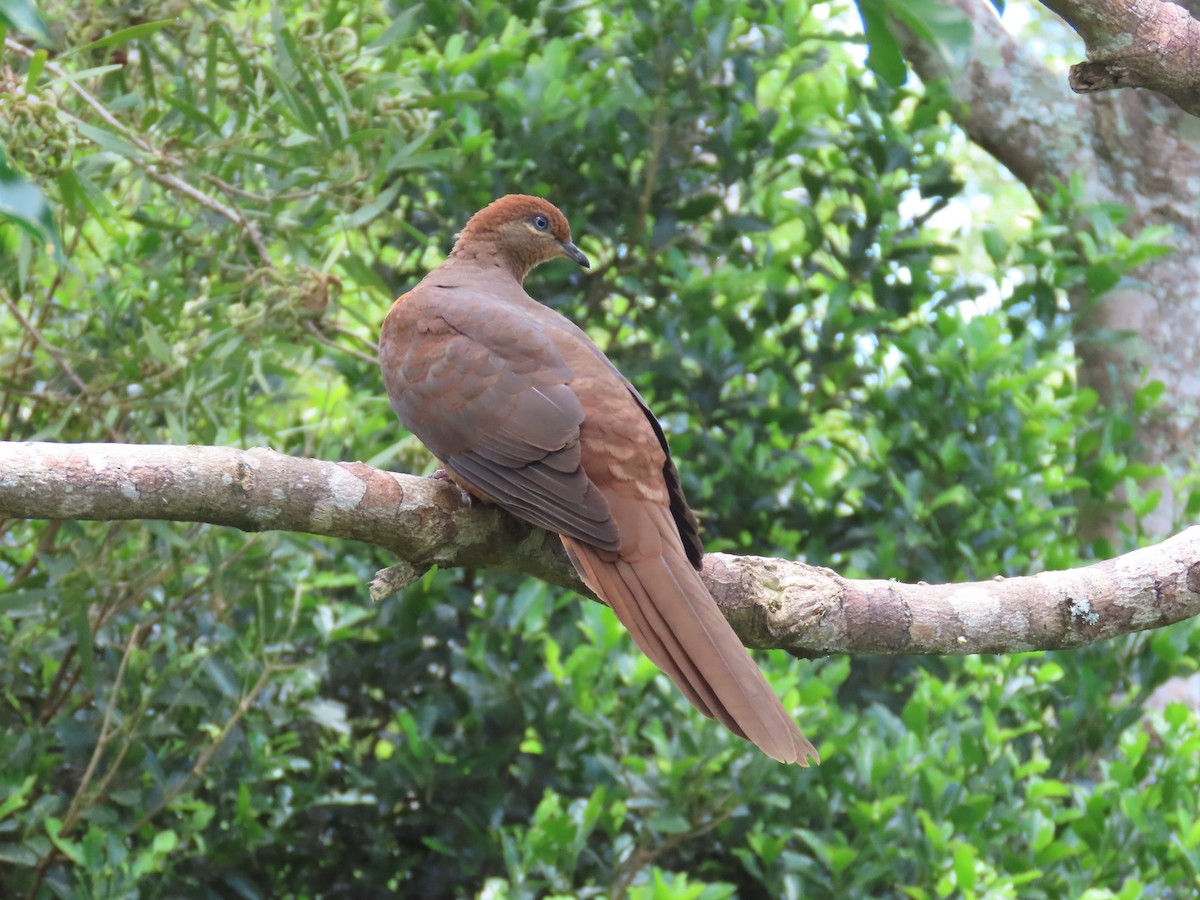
{"x": 1136, "y": 43}
{"x": 422, "y": 520}
{"x": 1128, "y": 148}
{"x": 771, "y": 602}
{"x": 812, "y": 611}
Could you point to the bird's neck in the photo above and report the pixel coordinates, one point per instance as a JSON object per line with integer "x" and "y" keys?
{"x": 484, "y": 253}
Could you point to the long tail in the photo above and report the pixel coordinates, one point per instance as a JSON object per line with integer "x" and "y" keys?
{"x": 674, "y": 620}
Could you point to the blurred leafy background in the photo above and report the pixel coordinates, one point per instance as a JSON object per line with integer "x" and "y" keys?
{"x": 205, "y": 210}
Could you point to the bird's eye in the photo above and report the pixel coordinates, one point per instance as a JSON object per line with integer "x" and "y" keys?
{"x": 541, "y": 223}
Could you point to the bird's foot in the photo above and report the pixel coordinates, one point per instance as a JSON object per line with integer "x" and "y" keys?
{"x": 443, "y": 475}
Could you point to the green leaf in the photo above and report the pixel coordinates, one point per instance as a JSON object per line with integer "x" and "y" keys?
{"x": 37, "y": 63}
{"x": 405, "y": 21}
{"x": 165, "y": 841}
{"x": 125, "y": 35}
{"x": 22, "y": 16}
{"x": 156, "y": 344}
{"x": 85, "y": 74}
{"x": 329, "y": 713}
{"x": 883, "y": 55}
{"x": 964, "y": 867}
{"x": 1046, "y": 788}
{"x": 995, "y": 245}
{"x": 18, "y": 855}
{"x": 108, "y": 141}
{"x": 447, "y": 99}
{"x": 941, "y": 25}
{"x": 24, "y": 204}
{"x": 378, "y": 206}
{"x": 531, "y": 743}
{"x": 669, "y": 822}
{"x": 71, "y": 849}
{"x": 17, "y": 797}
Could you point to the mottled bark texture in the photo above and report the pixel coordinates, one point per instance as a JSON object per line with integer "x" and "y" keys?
{"x": 772, "y": 603}
{"x": 1132, "y": 148}
{"x": 1136, "y": 43}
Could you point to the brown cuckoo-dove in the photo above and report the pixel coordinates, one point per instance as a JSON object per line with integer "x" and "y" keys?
{"x": 524, "y": 411}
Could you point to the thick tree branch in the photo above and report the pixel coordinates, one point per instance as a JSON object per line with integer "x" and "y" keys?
{"x": 422, "y": 520}
{"x": 1136, "y": 43}
{"x": 771, "y": 603}
{"x": 1127, "y": 149}
{"x": 1008, "y": 98}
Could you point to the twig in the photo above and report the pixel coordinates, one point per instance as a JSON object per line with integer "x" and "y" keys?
{"x": 10, "y": 402}
{"x": 73, "y": 811}
{"x": 288, "y": 196}
{"x": 316, "y": 332}
{"x": 164, "y": 178}
{"x": 658, "y": 136}
{"x": 44, "y": 546}
{"x": 642, "y": 857}
{"x": 346, "y": 332}
{"x": 206, "y": 756}
{"x": 175, "y": 183}
{"x": 54, "y": 352}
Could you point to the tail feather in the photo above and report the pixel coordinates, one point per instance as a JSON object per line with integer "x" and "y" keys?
{"x": 598, "y": 575}
{"x": 742, "y": 692}
{"x": 675, "y": 662}
{"x": 673, "y": 619}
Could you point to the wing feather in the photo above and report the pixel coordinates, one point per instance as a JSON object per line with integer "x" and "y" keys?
{"x": 492, "y": 401}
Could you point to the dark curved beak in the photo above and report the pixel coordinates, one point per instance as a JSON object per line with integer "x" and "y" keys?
{"x": 570, "y": 251}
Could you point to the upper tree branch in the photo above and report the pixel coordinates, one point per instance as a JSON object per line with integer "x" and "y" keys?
{"x": 771, "y": 603}
{"x": 1136, "y": 43}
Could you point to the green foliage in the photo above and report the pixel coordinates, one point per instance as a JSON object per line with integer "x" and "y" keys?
{"x": 24, "y": 205}
{"x": 22, "y": 16}
{"x": 941, "y": 26}
{"x": 193, "y": 711}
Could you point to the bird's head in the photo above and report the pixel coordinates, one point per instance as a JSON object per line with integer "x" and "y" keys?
{"x": 522, "y": 232}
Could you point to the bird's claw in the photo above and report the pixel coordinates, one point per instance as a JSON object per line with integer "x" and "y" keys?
{"x": 443, "y": 475}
